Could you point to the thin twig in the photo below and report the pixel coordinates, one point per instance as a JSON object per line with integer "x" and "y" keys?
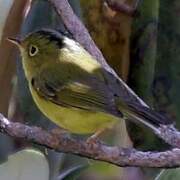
{"x": 97, "y": 151}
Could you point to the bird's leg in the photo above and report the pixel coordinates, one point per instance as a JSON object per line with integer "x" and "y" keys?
{"x": 94, "y": 138}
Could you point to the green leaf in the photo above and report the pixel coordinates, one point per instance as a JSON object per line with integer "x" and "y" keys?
{"x": 169, "y": 174}
{"x": 73, "y": 173}
{"x": 28, "y": 164}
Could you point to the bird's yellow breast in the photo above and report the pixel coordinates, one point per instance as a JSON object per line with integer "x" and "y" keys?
{"x": 72, "y": 119}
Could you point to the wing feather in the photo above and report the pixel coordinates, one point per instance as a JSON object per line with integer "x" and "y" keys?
{"x": 89, "y": 94}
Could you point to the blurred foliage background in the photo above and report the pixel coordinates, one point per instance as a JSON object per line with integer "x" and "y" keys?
{"x": 143, "y": 49}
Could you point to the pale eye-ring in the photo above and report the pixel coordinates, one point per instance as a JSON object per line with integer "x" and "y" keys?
{"x": 33, "y": 50}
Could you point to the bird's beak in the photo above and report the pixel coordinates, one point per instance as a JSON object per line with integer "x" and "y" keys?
{"x": 15, "y": 41}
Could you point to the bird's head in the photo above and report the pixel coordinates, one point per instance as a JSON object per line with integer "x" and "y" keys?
{"x": 39, "y": 48}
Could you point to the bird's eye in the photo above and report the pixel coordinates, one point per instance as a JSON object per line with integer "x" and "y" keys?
{"x": 33, "y": 50}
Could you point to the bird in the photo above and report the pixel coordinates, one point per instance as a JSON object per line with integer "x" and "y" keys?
{"x": 73, "y": 89}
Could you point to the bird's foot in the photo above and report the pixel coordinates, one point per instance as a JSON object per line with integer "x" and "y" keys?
{"x": 92, "y": 140}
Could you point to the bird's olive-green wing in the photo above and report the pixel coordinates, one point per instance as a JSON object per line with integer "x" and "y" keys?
{"x": 86, "y": 92}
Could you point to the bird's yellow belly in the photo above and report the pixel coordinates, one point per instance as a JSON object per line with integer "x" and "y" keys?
{"x": 72, "y": 119}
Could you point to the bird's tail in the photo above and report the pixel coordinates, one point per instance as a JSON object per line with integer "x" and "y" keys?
{"x": 144, "y": 115}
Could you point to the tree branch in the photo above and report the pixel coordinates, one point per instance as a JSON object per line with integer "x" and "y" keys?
{"x": 112, "y": 154}
{"x": 170, "y": 135}
{"x": 122, "y": 7}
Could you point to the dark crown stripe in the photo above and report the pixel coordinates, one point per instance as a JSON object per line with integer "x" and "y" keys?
{"x": 52, "y": 36}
